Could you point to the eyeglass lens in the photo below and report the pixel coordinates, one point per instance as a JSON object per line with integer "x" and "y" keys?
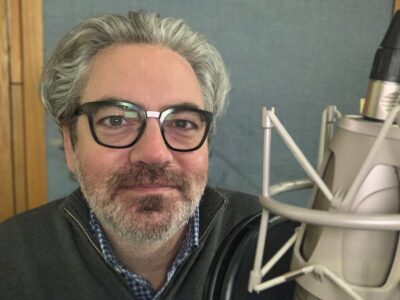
{"x": 118, "y": 126}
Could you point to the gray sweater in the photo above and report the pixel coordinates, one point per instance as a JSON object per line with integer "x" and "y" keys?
{"x": 49, "y": 253}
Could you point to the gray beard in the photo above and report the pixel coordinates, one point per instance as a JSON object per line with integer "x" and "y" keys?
{"x": 112, "y": 209}
{"x": 150, "y": 234}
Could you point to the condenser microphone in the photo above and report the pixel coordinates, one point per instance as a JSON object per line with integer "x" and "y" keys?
{"x": 348, "y": 245}
{"x": 367, "y": 260}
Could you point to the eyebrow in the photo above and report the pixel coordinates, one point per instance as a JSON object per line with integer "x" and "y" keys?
{"x": 110, "y": 99}
{"x": 182, "y": 104}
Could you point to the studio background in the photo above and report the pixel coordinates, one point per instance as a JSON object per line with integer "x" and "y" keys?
{"x": 297, "y": 56}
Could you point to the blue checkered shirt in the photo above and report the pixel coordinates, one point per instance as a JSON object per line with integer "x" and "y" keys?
{"x": 139, "y": 286}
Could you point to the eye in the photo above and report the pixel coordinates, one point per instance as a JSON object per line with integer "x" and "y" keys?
{"x": 183, "y": 124}
{"x": 113, "y": 121}
{"x": 180, "y": 124}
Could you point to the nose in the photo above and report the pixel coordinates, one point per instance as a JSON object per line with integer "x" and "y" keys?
{"x": 151, "y": 148}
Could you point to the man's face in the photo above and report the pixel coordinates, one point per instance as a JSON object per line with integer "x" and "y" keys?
{"x": 146, "y": 192}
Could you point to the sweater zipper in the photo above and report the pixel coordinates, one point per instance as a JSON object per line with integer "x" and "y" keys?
{"x": 84, "y": 231}
{"x": 75, "y": 219}
{"x": 209, "y": 226}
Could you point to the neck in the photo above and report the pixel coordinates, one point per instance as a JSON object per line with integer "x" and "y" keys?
{"x": 151, "y": 261}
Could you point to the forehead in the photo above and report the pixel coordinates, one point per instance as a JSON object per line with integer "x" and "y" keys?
{"x": 151, "y": 76}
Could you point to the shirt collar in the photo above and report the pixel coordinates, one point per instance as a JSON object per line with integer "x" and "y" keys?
{"x": 138, "y": 285}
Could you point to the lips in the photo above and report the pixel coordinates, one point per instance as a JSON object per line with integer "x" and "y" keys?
{"x": 149, "y": 185}
{"x": 150, "y": 188}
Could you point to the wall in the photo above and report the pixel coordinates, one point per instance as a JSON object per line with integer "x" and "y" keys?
{"x": 298, "y": 56}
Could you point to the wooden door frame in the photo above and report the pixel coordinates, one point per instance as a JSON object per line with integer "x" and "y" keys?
{"x": 22, "y": 120}
{"x": 396, "y": 5}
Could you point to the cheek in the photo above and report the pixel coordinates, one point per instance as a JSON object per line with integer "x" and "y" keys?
{"x": 94, "y": 160}
{"x": 193, "y": 162}
{"x": 98, "y": 162}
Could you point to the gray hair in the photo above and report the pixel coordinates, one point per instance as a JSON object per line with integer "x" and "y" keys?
{"x": 65, "y": 74}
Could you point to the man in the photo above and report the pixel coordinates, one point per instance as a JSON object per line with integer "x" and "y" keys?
{"x": 136, "y": 100}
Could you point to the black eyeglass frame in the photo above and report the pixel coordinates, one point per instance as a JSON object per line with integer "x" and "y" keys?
{"x": 89, "y": 108}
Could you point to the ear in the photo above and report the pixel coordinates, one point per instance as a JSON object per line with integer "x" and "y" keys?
{"x": 68, "y": 149}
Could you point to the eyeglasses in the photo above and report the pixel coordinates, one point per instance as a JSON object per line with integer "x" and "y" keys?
{"x": 120, "y": 124}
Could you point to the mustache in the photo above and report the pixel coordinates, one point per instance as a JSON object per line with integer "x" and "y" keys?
{"x": 145, "y": 175}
